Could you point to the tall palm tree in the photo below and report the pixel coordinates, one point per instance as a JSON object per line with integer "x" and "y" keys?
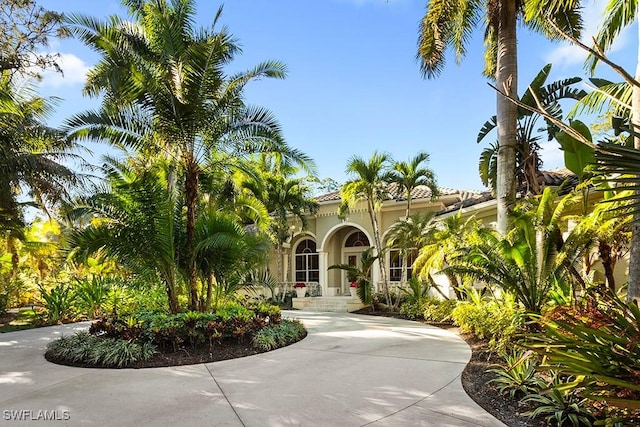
{"x": 451, "y": 23}
{"x": 411, "y": 174}
{"x": 369, "y": 184}
{"x": 160, "y": 67}
{"x": 618, "y": 15}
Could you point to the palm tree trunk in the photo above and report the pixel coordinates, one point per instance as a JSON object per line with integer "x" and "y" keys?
{"x": 633, "y": 291}
{"x": 191, "y": 200}
{"x": 172, "y": 299}
{"x": 406, "y": 217}
{"x": 378, "y": 244}
{"x": 507, "y": 113}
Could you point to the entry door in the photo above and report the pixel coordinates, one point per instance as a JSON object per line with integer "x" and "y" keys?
{"x": 352, "y": 259}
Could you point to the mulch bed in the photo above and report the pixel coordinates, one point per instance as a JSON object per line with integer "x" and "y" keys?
{"x": 228, "y": 349}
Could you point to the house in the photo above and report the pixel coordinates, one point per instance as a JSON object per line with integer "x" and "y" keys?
{"x": 331, "y": 239}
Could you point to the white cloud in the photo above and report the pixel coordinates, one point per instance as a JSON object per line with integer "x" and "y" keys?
{"x": 74, "y": 72}
{"x": 566, "y": 54}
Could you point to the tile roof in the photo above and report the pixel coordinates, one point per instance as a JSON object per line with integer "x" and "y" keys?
{"x": 420, "y": 192}
{"x": 466, "y": 198}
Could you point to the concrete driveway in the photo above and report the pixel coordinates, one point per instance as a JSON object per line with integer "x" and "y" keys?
{"x": 350, "y": 371}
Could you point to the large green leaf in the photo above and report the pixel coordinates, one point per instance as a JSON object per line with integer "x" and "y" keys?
{"x": 577, "y": 155}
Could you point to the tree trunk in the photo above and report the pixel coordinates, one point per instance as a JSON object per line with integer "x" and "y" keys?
{"x": 172, "y": 299}
{"x": 633, "y": 291}
{"x": 507, "y": 113}
{"x": 408, "y": 214}
{"x": 604, "y": 252}
{"x": 378, "y": 244}
{"x": 191, "y": 200}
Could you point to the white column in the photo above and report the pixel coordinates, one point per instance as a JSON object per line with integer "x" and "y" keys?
{"x": 375, "y": 275}
{"x": 323, "y": 264}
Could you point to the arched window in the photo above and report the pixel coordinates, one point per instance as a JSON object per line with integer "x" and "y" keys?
{"x": 307, "y": 267}
{"x": 356, "y": 239}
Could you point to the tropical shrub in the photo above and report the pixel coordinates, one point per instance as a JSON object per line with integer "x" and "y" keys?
{"x": 57, "y": 302}
{"x": 84, "y": 348}
{"x": 496, "y": 320}
{"x": 284, "y": 333}
{"x": 438, "y": 310}
{"x": 560, "y": 405}
{"x": 416, "y": 290}
{"x": 532, "y": 259}
{"x": 518, "y": 377}
{"x": 412, "y": 310}
{"x": 90, "y": 295}
{"x": 598, "y": 344}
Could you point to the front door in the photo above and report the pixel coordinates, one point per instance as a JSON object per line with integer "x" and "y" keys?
{"x": 352, "y": 259}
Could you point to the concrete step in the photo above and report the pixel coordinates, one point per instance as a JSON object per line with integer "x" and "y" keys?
{"x": 341, "y": 304}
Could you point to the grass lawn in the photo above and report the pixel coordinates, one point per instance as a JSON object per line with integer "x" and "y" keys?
{"x": 24, "y": 318}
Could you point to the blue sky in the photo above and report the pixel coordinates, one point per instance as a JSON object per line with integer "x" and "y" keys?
{"x": 353, "y": 83}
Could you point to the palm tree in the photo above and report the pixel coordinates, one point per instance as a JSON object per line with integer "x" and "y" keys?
{"x": 136, "y": 222}
{"x": 161, "y": 68}
{"x": 532, "y": 260}
{"x": 409, "y": 235}
{"x": 225, "y": 251}
{"x": 32, "y": 155}
{"x": 451, "y": 23}
{"x": 445, "y": 239}
{"x": 528, "y": 161}
{"x": 361, "y": 275}
{"x": 409, "y": 175}
{"x": 370, "y": 185}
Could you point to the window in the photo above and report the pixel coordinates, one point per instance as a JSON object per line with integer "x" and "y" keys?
{"x": 395, "y": 264}
{"x": 356, "y": 239}
{"x": 306, "y": 262}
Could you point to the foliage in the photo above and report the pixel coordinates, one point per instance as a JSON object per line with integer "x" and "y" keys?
{"x": 496, "y": 320}
{"x": 518, "y": 378}
{"x": 412, "y": 310}
{"x": 231, "y": 321}
{"x": 560, "y": 406}
{"x": 416, "y": 291}
{"x": 26, "y": 29}
{"x": 532, "y": 259}
{"x": 439, "y": 310}
{"x": 369, "y": 185}
{"x": 84, "y": 348}
{"x": 528, "y": 161}
{"x": 57, "y": 302}
{"x": 275, "y": 336}
{"x": 166, "y": 91}
{"x": 361, "y": 275}
{"x": 33, "y": 156}
{"x": 598, "y": 344}
{"x": 90, "y": 295}
{"x": 444, "y": 240}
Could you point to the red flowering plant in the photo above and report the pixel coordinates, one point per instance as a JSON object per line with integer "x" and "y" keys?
{"x": 300, "y": 285}
{"x": 354, "y": 284}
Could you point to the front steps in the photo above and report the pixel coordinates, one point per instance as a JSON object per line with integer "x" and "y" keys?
{"x": 328, "y": 304}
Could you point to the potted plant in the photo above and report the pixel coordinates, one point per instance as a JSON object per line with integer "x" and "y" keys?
{"x": 301, "y": 289}
{"x": 353, "y": 288}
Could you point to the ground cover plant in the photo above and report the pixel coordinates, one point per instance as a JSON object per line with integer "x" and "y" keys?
{"x": 149, "y": 339}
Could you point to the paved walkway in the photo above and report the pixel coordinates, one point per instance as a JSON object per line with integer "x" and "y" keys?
{"x": 350, "y": 371}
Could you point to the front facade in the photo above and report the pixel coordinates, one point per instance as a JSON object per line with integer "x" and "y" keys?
{"x": 330, "y": 239}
